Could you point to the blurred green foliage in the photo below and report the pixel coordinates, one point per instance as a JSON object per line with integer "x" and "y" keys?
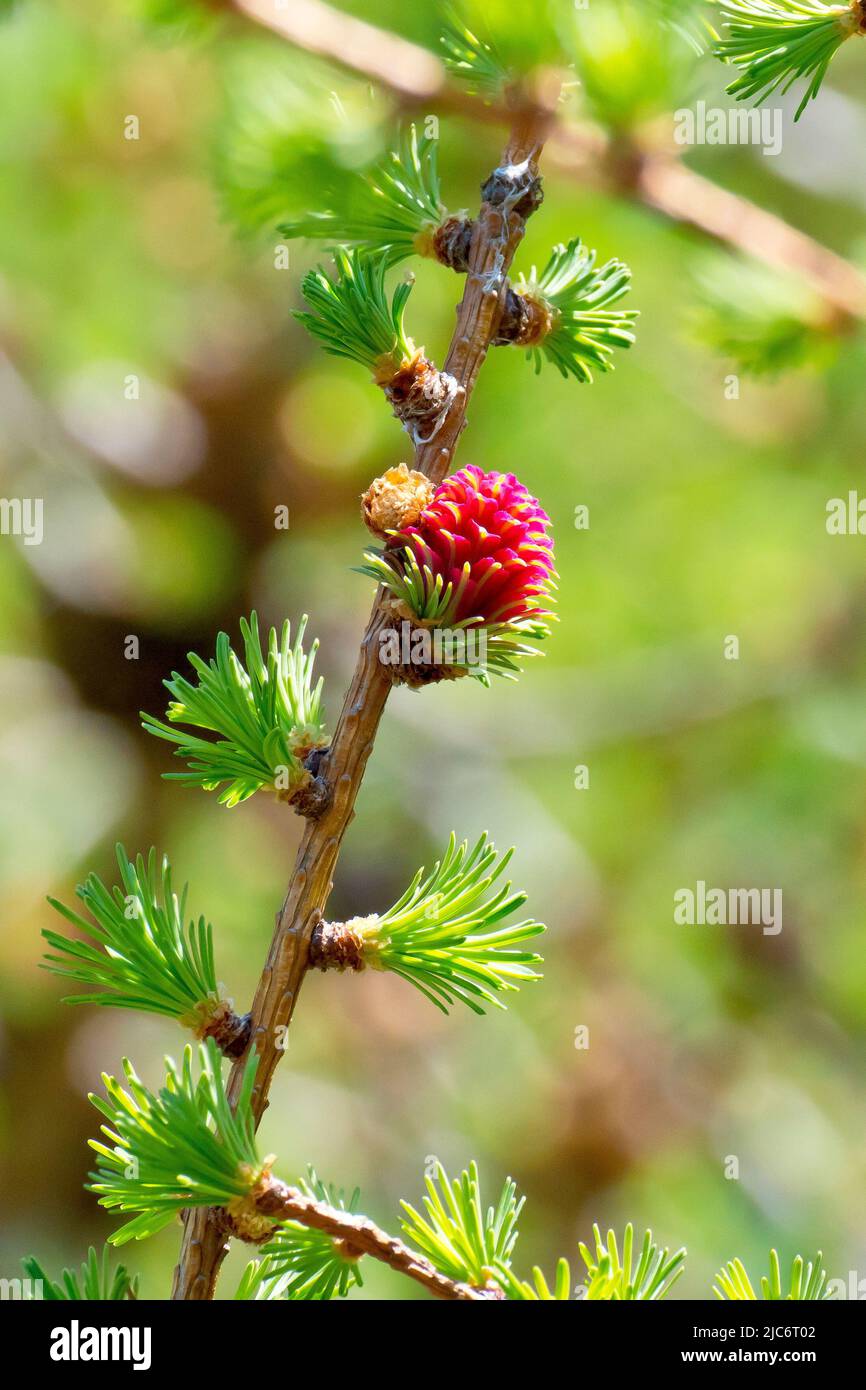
{"x": 157, "y": 394}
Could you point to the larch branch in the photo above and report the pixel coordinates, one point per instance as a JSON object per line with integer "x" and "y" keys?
{"x": 361, "y": 1236}
{"x": 510, "y": 195}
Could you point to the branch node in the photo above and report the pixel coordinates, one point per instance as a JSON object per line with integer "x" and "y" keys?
{"x": 312, "y": 797}
{"x": 452, "y": 241}
{"x": 526, "y": 320}
{"x": 413, "y": 640}
{"x": 420, "y": 397}
{"x": 230, "y": 1031}
{"x": 339, "y": 945}
{"x": 244, "y": 1222}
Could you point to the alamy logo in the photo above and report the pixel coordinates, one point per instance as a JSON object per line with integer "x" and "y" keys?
{"x": 20, "y": 1290}
{"x": 846, "y": 516}
{"x": 732, "y": 907}
{"x": 718, "y": 125}
{"x": 854, "y": 1289}
{"x": 22, "y": 516}
{"x": 77, "y": 1343}
{"x": 440, "y": 646}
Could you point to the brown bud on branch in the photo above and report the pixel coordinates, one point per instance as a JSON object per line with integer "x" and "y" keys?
{"x": 339, "y": 945}
{"x": 395, "y": 500}
{"x": 419, "y": 394}
{"x": 526, "y": 320}
{"x": 230, "y": 1031}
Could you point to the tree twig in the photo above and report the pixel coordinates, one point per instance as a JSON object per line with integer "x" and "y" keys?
{"x": 403, "y": 67}
{"x": 685, "y": 197}
{"x": 361, "y": 1236}
{"x": 510, "y": 195}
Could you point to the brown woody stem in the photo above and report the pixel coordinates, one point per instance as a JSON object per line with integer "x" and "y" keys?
{"x": 512, "y": 193}
{"x": 360, "y": 1236}
{"x": 526, "y": 319}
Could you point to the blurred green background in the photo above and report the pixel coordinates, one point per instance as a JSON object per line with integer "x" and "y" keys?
{"x": 155, "y": 259}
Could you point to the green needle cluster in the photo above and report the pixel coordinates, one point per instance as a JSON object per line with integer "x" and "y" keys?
{"x": 267, "y": 713}
{"x": 96, "y": 1281}
{"x": 585, "y": 331}
{"x": 536, "y": 1289}
{"x": 779, "y": 42}
{"x": 143, "y": 956}
{"x": 471, "y": 59}
{"x": 611, "y": 1276}
{"x": 181, "y": 1147}
{"x": 806, "y": 1281}
{"x": 444, "y": 935}
{"x": 390, "y": 210}
{"x": 351, "y": 315}
{"x": 461, "y": 1237}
